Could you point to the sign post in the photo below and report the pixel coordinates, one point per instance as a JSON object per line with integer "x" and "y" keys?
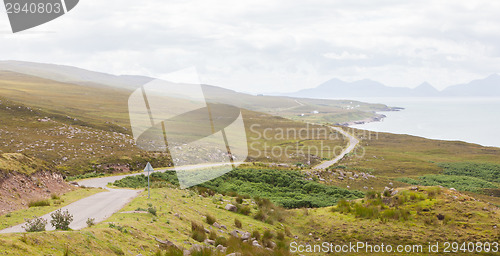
{"x": 148, "y": 169}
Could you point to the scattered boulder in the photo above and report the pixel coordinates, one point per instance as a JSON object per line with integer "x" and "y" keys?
{"x": 246, "y": 236}
{"x": 217, "y": 225}
{"x": 165, "y": 244}
{"x": 235, "y": 233}
{"x": 395, "y": 192}
{"x": 231, "y": 207}
{"x": 209, "y": 242}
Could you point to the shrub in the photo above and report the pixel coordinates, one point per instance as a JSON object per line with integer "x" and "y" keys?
{"x": 239, "y": 199}
{"x": 237, "y": 223}
{"x": 371, "y": 195}
{"x": 260, "y": 215}
{"x": 90, "y": 222}
{"x": 61, "y": 220}
{"x": 212, "y": 235}
{"x": 35, "y": 225}
{"x": 210, "y": 219}
{"x": 118, "y": 227}
{"x": 152, "y": 210}
{"x": 267, "y": 235}
{"x": 221, "y": 240}
{"x": 256, "y": 234}
{"x": 280, "y": 236}
{"x": 245, "y": 210}
{"x": 55, "y": 197}
{"x": 39, "y": 203}
{"x": 343, "y": 206}
{"x": 198, "y": 232}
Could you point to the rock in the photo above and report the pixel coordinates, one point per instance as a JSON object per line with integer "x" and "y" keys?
{"x": 186, "y": 253}
{"x": 235, "y": 234}
{"x": 256, "y": 244}
{"x": 272, "y": 245}
{"x": 246, "y": 236}
{"x": 231, "y": 207}
{"x": 196, "y": 248}
{"x": 395, "y": 192}
{"x": 341, "y": 178}
{"x": 209, "y": 242}
{"x": 217, "y": 225}
{"x": 234, "y": 254}
{"x": 165, "y": 244}
{"x": 223, "y": 226}
{"x": 452, "y": 189}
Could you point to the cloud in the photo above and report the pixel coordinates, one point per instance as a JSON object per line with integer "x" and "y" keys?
{"x": 280, "y": 45}
{"x": 345, "y": 56}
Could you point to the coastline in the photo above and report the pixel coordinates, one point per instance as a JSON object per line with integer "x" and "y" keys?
{"x": 376, "y": 118}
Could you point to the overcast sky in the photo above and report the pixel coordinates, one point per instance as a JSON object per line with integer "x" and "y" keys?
{"x": 272, "y": 46}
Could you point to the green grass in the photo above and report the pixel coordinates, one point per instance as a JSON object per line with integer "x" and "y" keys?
{"x": 39, "y": 203}
{"x": 18, "y": 217}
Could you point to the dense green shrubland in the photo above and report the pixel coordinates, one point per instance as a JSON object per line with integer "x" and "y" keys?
{"x": 464, "y": 183}
{"x": 288, "y": 189}
{"x": 486, "y": 171}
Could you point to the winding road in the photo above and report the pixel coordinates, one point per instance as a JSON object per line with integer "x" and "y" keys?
{"x": 353, "y": 142}
{"x": 102, "y": 205}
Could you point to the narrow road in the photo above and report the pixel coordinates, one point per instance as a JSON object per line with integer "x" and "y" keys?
{"x": 353, "y": 142}
{"x": 102, "y": 205}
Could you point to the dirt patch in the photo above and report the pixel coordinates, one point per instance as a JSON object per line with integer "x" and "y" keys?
{"x": 17, "y": 190}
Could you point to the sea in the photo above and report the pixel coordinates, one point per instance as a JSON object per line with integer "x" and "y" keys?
{"x": 473, "y": 120}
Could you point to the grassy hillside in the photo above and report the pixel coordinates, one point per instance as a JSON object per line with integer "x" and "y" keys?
{"x": 427, "y": 214}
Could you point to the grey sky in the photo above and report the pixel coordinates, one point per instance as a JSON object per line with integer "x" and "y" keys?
{"x": 269, "y": 46}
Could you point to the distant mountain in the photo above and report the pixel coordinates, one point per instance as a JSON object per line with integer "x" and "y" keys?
{"x": 335, "y": 88}
{"x": 68, "y": 74}
{"x": 487, "y": 87}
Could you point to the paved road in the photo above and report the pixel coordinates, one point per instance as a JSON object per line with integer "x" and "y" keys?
{"x": 353, "y": 142}
{"x": 102, "y": 205}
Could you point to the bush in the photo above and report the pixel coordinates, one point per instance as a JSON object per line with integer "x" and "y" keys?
{"x": 35, "y": 225}
{"x": 152, "y": 210}
{"x": 90, "y": 222}
{"x": 237, "y": 223}
{"x": 61, "y": 220}
{"x": 245, "y": 210}
{"x": 198, "y": 232}
{"x": 239, "y": 199}
{"x": 55, "y": 197}
{"x": 280, "y": 236}
{"x": 118, "y": 227}
{"x": 260, "y": 215}
{"x": 210, "y": 219}
{"x": 256, "y": 234}
{"x": 221, "y": 240}
{"x": 39, "y": 203}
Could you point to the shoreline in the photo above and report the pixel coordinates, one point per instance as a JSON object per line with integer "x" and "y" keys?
{"x": 376, "y": 118}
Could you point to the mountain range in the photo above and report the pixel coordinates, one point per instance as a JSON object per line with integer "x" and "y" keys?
{"x": 335, "y": 88}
